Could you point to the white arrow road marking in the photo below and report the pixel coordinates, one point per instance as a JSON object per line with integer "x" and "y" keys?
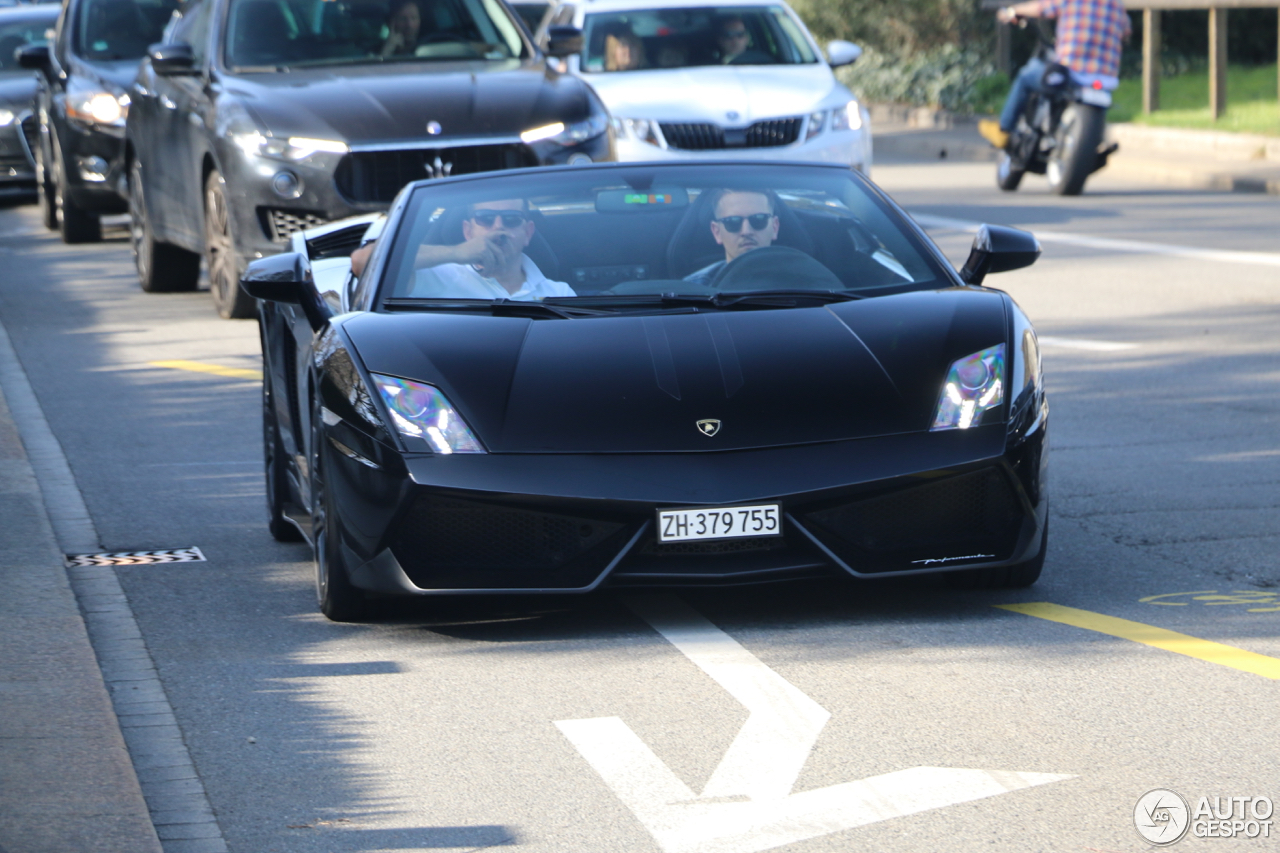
{"x": 747, "y": 804}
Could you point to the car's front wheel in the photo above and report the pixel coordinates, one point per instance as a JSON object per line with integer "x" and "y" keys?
{"x": 1018, "y": 576}
{"x": 74, "y": 223}
{"x": 162, "y": 267}
{"x": 44, "y": 190}
{"x": 220, "y": 253}
{"x": 337, "y": 598}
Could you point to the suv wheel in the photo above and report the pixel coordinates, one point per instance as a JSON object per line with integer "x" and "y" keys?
{"x": 220, "y": 253}
{"x": 162, "y": 268}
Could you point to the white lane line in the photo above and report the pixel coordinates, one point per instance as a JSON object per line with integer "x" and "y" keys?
{"x": 1135, "y": 246}
{"x": 1080, "y": 343}
{"x": 747, "y": 804}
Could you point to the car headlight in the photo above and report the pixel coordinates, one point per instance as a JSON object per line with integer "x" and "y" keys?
{"x": 817, "y": 121}
{"x": 6, "y": 117}
{"x": 568, "y": 134}
{"x": 422, "y": 411}
{"x": 848, "y": 117}
{"x": 94, "y": 104}
{"x": 975, "y": 384}
{"x": 638, "y": 128}
{"x": 292, "y": 148}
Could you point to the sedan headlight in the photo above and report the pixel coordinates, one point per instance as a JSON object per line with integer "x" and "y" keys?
{"x": 817, "y": 121}
{"x": 975, "y": 384}
{"x": 94, "y": 104}
{"x": 638, "y": 128}
{"x": 568, "y": 134}
{"x": 6, "y": 117}
{"x": 292, "y": 148}
{"x": 422, "y": 411}
{"x": 848, "y": 117}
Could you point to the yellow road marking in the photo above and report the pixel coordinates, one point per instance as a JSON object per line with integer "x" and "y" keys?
{"x": 1149, "y": 635}
{"x": 215, "y": 369}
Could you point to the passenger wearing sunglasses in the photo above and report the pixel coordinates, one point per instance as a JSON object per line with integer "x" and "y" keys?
{"x": 733, "y": 43}
{"x": 743, "y": 220}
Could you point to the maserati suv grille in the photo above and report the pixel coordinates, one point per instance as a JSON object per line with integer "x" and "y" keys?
{"x": 374, "y": 177}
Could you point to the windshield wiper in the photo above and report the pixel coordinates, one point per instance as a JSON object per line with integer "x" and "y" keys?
{"x": 497, "y": 307}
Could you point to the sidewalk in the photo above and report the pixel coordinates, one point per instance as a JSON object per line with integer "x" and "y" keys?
{"x": 1177, "y": 158}
{"x": 67, "y": 784}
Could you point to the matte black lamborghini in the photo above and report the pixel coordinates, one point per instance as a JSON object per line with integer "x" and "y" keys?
{"x": 552, "y": 380}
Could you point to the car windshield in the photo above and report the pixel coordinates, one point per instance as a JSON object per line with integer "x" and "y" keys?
{"x": 291, "y": 33}
{"x": 682, "y": 37}
{"x": 121, "y": 29}
{"x": 531, "y": 13}
{"x": 17, "y": 33}
{"x": 676, "y": 236}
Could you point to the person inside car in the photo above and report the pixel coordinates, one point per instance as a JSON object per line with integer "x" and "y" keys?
{"x": 733, "y": 43}
{"x": 623, "y": 50}
{"x": 743, "y": 220}
{"x": 490, "y": 263}
{"x": 403, "y": 22}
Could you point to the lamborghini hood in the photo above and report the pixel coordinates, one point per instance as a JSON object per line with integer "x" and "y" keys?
{"x": 634, "y": 384}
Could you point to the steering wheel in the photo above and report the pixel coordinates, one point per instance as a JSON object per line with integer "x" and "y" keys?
{"x": 775, "y": 268}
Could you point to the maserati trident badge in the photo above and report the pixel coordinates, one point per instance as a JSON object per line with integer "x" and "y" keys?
{"x": 438, "y": 169}
{"x": 708, "y": 426}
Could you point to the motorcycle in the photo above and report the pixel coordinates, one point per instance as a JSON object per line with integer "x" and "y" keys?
{"x": 1062, "y": 130}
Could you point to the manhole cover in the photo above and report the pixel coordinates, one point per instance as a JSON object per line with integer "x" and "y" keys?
{"x": 136, "y": 558}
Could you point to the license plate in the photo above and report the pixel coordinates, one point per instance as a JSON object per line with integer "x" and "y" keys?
{"x": 726, "y": 522}
{"x": 1096, "y": 97}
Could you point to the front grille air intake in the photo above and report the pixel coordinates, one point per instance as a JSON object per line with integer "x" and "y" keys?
{"x": 280, "y": 225}
{"x": 374, "y": 177}
{"x": 701, "y": 136}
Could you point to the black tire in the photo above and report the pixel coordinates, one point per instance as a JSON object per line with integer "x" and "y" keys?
{"x": 282, "y": 530}
{"x": 162, "y": 267}
{"x": 44, "y": 191}
{"x": 1008, "y": 175}
{"x": 1019, "y": 576}
{"x": 75, "y": 224}
{"x": 1075, "y": 151}
{"x": 337, "y": 598}
{"x": 221, "y": 257}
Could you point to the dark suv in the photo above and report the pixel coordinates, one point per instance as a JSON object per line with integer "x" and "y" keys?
{"x": 258, "y": 118}
{"x": 82, "y": 102}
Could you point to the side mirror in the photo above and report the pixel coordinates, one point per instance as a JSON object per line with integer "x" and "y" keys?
{"x": 34, "y": 56}
{"x": 169, "y": 60}
{"x": 999, "y": 249}
{"x": 287, "y": 278}
{"x": 563, "y": 41}
{"x": 842, "y": 53}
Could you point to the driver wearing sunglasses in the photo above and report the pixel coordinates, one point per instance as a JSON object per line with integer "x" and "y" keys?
{"x": 744, "y": 220}
{"x": 490, "y": 263}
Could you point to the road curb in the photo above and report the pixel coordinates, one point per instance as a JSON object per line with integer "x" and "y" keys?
{"x": 145, "y": 787}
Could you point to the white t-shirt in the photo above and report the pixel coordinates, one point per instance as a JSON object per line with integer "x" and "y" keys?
{"x": 463, "y": 281}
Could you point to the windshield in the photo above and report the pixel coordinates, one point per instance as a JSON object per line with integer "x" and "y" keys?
{"x": 681, "y": 38}
{"x": 531, "y": 13}
{"x": 17, "y": 34}
{"x": 705, "y": 234}
{"x": 121, "y": 29}
{"x": 289, "y": 33}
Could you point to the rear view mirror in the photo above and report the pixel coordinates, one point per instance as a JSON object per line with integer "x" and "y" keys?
{"x": 34, "y": 56}
{"x": 999, "y": 249}
{"x": 563, "y": 41}
{"x": 172, "y": 59}
{"x": 287, "y": 278}
{"x": 842, "y": 53}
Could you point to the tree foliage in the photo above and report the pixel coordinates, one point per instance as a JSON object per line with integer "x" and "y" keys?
{"x": 900, "y": 27}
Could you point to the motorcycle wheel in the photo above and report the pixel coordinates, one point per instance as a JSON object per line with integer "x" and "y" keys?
{"x": 1008, "y": 174}
{"x": 1078, "y": 136}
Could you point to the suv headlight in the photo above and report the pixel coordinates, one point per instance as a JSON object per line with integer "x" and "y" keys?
{"x": 638, "y": 128}
{"x": 93, "y": 103}
{"x": 848, "y": 117}
{"x": 292, "y": 148}
{"x": 422, "y": 411}
{"x": 975, "y": 384}
{"x": 571, "y": 134}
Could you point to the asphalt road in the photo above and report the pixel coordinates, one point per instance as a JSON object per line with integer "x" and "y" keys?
{"x": 448, "y": 726}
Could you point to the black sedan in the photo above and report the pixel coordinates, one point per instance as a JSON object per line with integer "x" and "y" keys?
{"x": 20, "y": 28}
{"x": 259, "y": 118}
{"x": 553, "y": 380}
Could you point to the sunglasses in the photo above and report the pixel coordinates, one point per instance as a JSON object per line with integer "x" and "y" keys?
{"x": 510, "y": 218}
{"x": 733, "y": 34}
{"x": 733, "y": 224}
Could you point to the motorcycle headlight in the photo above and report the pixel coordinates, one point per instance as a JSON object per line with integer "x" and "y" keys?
{"x": 975, "y": 384}
{"x": 422, "y": 411}
{"x": 292, "y": 148}
{"x": 94, "y": 104}
{"x": 848, "y": 117}
{"x": 638, "y": 128}
{"x": 6, "y": 117}
{"x": 568, "y": 134}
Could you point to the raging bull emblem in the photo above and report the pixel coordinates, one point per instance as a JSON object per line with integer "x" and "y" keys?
{"x": 708, "y": 426}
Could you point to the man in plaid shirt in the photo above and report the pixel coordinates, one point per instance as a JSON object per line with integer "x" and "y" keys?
{"x": 1089, "y": 36}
